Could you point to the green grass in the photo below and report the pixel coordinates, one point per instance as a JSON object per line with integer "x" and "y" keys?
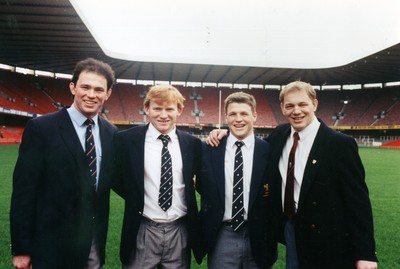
{"x": 383, "y": 179}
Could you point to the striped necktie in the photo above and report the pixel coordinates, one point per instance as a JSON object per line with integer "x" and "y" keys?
{"x": 165, "y": 194}
{"x": 90, "y": 150}
{"x": 237, "y": 199}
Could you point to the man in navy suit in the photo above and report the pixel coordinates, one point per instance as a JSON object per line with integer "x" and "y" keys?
{"x": 59, "y": 209}
{"x": 331, "y": 225}
{"x": 159, "y": 228}
{"x": 235, "y": 194}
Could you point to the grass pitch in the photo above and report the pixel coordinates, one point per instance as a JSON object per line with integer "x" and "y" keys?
{"x": 382, "y": 174}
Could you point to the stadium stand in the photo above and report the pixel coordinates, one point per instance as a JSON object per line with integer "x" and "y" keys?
{"x": 354, "y": 108}
{"x": 265, "y": 117}
{"x": 131, "y": 98}
{"x": 114, "y": 108}
{"x": 392, "y": 145}
{"x": 358, "y": 104}
{"x": 10, "y": 135}
{"x": 388, "y": 108}
{"x": 188, "y": 115}
{"x": 273, "y": 100}
{"x": 209, "y": 104}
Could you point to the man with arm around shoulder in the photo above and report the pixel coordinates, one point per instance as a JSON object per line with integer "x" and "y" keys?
{"x": 155, "y": 168}
{"x": 329, "y": 224}
{"x": 235, "y": 194}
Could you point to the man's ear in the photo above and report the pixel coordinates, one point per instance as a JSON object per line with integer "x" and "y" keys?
{"x": 315, "y": 103}
{"x": 108, "y": 94}
{"x": 72, "y": 88}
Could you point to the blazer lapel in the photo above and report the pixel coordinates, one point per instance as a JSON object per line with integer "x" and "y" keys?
{"x": 186, "y": 157}
{"x": 70, "y": 138}
{"x": 106, "y": 139}
{"x": 276, "y": 153}
{"x": 218, "y": 163}
{"x": 313, "y": 162}
{"x": 137, "y": 156}
{"x": 258, "y": 169}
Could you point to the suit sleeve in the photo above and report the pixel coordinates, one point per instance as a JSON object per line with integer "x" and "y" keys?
{"x": 26, "y": 178}
{"x": 199, "y": 165}
{"x": 356, "y": 198}
{"x": 117, "y": 173}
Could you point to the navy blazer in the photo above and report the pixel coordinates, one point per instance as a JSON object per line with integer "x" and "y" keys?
{"x": 129, "y": 183}
{"x": 55, "y": 211}
{"x": 333, "y": 225}
{"x": 212, "y": 189}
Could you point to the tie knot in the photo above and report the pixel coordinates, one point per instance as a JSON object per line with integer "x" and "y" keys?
{"x": 239, "y": 144}
{"x": 296, "y": 136}
{"x": 89, "y": 122}
{"x": 164, "y": 139}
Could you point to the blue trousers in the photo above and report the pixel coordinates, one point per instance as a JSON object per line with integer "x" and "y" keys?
{"x": 292, "y": 261}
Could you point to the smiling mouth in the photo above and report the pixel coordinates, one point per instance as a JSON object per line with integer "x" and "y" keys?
{"x": 298, "y": 118}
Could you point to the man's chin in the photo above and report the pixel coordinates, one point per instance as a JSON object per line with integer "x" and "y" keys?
{"x": 239, "y": 135}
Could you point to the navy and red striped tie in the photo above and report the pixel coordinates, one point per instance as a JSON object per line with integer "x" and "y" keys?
{"x": 90, "y": 150}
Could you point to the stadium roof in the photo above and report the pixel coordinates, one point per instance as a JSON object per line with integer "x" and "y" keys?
{"x": 49, "y": 35}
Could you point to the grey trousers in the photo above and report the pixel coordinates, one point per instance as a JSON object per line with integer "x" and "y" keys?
{"x": 161, "y": 246}
{"x": 232, "y": 251}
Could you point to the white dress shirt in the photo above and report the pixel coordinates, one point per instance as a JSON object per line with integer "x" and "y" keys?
{"x": 152, "y": 174}
{"x": 78, "y": 120}
{"x": 248, "y": 153}
{"x": 306, "y": 140}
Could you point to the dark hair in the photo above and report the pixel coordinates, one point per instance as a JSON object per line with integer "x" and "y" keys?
{"x": 95, "y": 66}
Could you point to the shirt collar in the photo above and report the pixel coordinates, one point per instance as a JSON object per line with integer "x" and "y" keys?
{"x": 248, "y": 141}
{"x": 310, "y": 129}
{"x": 78, "y": 117}
{"x": 154, "y": 133}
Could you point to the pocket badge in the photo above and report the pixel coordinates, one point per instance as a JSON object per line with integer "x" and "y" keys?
{"x": 265, "y": 190}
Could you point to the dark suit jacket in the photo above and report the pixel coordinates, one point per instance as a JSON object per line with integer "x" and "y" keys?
{"x": 129, "y": 146}
{"x": 333, "y": 226}
{"x": 55, "y": 211}
{"x": 212, "y": 189}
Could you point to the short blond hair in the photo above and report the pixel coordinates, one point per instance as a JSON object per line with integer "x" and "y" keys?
{"x": 164, "y": 93}
{"x": 298, "y": 86}
{"x": 241, "y": 98}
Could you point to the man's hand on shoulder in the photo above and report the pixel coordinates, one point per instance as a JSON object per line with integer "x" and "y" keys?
{"x": 366, "y": 265}
{"x": 22, "y": 262}
{"x": 215, "y": 136}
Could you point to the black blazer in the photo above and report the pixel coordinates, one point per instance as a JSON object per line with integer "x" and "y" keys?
{"x": 129, "y": 183}
{"x": 55, "y": 211}
{"x": 333, "y": 226}
{"x": 212, "y": 189}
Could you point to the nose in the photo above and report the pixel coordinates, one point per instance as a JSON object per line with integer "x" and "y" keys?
{"x": 91, "y": 93}
{"x": 238, "y": 118}
{"x": 163, "y": 113}
{"x": 296, "y": 109}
